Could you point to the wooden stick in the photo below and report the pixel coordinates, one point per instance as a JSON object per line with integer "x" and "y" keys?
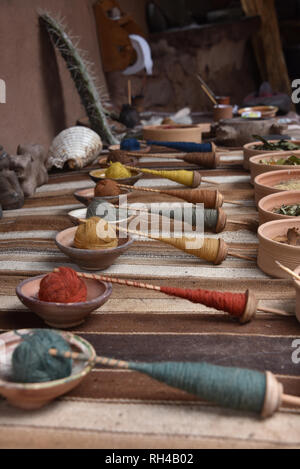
{"x": 290, "y": 400}
{"x": 289, "y": 271}
{"x": 240, "y": 256}
{"x": 275, "y": 311}
{"x": 206, "y": 85}
{"x": 209, "y": 95}
{"x": 129, "y": 93}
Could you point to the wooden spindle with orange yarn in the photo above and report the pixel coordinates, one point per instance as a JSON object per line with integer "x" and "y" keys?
{"x": 210, "y": 198}
{"x": 211, "y": 250}
{"x": 241, "y": 306}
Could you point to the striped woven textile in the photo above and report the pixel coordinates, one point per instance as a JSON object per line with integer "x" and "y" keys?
{"x": 123, "y": 409}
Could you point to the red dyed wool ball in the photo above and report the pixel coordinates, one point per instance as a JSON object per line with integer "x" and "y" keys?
{"x": 63, "y": 287}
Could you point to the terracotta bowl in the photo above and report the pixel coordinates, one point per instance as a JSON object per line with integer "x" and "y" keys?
{"x": 270, "y": 251}
{"x": 256, "y": 167}
{"x": 273, "y": 201}
{"x": 80, "y": 214}
{"x": 90, "y": 259}
{"x": 85, "y": 196}
{"x": 33, "y": 396}
{"x": 249, "y": 151}
{"x": 99, "y": 175}
{"x": 264, "y": 183}
{"x": 61, "y": 315}
{"x": 297, "y": 286}
{"x": 173, "y": 133}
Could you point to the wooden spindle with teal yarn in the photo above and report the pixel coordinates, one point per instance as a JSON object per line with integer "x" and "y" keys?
{"x": 234, "y": 388}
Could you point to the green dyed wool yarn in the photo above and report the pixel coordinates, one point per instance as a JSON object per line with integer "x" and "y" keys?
{"x": 235, "y": 388}
{"x": 31, "y": 362}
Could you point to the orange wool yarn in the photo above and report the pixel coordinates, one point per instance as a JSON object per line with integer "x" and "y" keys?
{"x": 63, "y": 287}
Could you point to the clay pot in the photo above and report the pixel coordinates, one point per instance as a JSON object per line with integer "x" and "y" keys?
{"x": 264, "y": 183}
{"x": 269, "y": 203}
{"x": 99, "y": 175}
{"x": 89, "y": 259}
{"x": 270, "y": 251}
{"x": 222, "y": 111}
{"x": 257, "y": 168}
{"x": 85, "y": 196}
{"x": 61, "y": 315}
{"x": 249, "y": 151}
{"x": 173, "y": 133}
{"x": 297, "y": 287}
{"x": 223, "y": 99}
{"x": 33, "y": 396}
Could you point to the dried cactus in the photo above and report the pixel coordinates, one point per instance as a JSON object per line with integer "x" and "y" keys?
{"x": 80, "y": 70}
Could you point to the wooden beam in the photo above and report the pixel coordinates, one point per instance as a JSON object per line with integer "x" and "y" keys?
{"x": 267, "y": 45}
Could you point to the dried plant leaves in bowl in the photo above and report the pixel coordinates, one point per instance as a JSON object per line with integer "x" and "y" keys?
{"x": 292, "y": 237}
{"x": 275, "y": 161}
{"x": 280, "y": 145}
{"x": 288, "y": 210}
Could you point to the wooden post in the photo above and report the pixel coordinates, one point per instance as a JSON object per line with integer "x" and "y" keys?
{"x": 267, "y": 45}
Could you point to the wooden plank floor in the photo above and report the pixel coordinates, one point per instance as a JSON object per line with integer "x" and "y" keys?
{"x": 123, "y": 409}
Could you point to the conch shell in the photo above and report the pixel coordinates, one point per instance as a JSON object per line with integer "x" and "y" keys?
{"x": 77, "y": 146}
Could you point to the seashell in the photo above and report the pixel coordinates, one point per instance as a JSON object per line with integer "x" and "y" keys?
{"x": 77, "y": 146}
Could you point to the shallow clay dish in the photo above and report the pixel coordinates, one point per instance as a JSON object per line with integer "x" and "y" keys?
{"x": 85, "y": 196}
{"x": 173, "y": 133}
{"x": 270, "y": 251}
{"x": 61, "y": 315}
{"x": 257, "y": 168}
{"x": 266, "y": 111}
{"x": 297, "y": 286}
{"x": 33, "y": 396}
{"x": 264, "y": 183}
{"x": 249, "y": 151}
{"x": 273, "y": 201}
{"x": 99, "y": 175}
{"x": 89, "y": 259}
{"x": 80, "y": 214}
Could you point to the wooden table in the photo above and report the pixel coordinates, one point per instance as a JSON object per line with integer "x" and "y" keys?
{"x": 123, "y": 409}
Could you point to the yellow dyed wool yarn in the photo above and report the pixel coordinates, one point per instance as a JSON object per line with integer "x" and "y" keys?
{"x": 96, "y": 234}
{"x": 117, "y": 171}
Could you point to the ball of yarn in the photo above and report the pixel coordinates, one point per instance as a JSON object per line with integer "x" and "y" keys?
{"x": 95, "y": 234}
{"x": 130, "y": 144}
{"x": 107, "y": 188}
{"x": 117, "y": 171}
{"x": 121, "y": 157}
{"x": 31, "y": 362}
{"x": 63, "y": 287}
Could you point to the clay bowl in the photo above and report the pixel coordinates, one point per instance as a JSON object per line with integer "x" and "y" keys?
{"x": 173, "y": 133}
{"x": 270, "y": 251}
{"x": 61, "y": 315}
{"x": 297, "y": 286}
{"x": 33, "y": 396}
{"x": 99, "y": 175}
{"x": 249, "y": 151}
{"x": 264, "y": 183}
{"x": 89, "y": 259}
{"x": 223, "y": 99}
{"x": 80, "y": 214}
{"x": 85, "y": 196}
{"x": 273, "y": 201}
{"x": 256, "y": 167}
